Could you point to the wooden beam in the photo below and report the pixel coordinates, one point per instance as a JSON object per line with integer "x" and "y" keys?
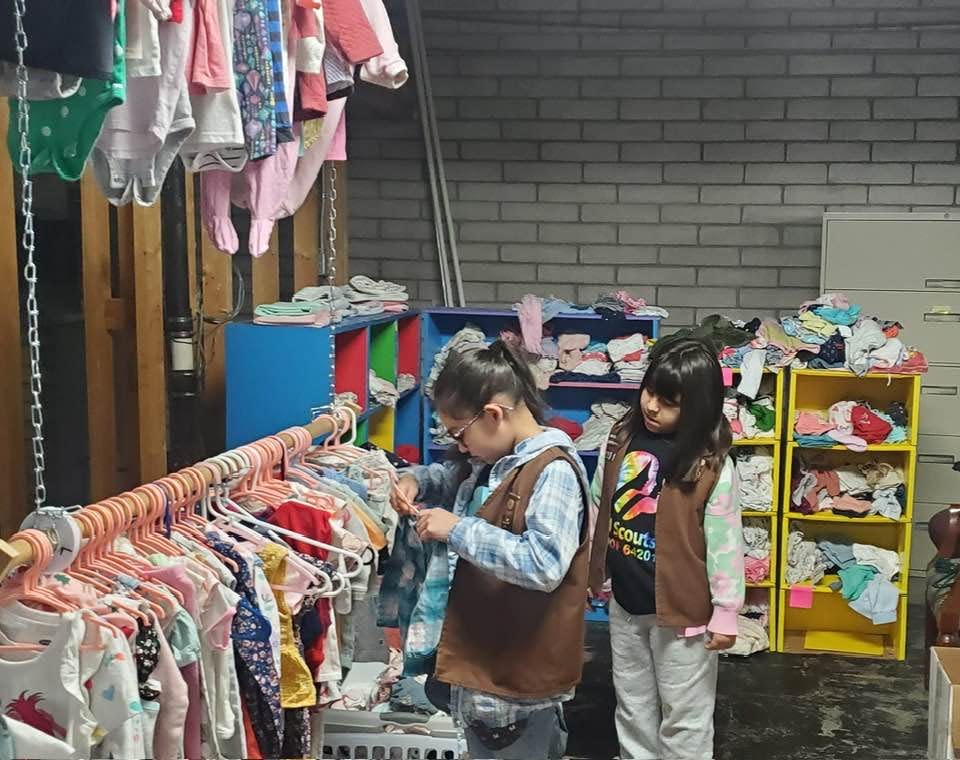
{"x": 217, "y": 305}
{"x": 98, "y": 342}
{"x": 125, "y": 358}
{"x": 266, "y": 273}
{"x": 306, "y": 241}
{"x": 151, "y": 353}
{"x": 343, "y": 224}
{"x": 13, "y": 480}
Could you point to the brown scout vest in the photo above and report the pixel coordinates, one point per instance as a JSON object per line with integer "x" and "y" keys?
{"x": 502, "y": 639}
{"x": 681, "y": 585}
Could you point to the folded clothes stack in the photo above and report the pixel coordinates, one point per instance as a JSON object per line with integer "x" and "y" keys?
{"x": 865, "y": 573}
{"x": 756, "y": 540}
{"x": 362, "y": 298}
{"x": 366, "y": 295}
{"x": 596, "y": 430}
{"x": 284, "y": 313}
{"x": 755, "y": 479}
{"x": 851, "y": 490}
{"x": 854, "y": 424}
{"x": 383, "y": 391}
{"x": 630, "y": 357}
{"x": 752, "y": 623}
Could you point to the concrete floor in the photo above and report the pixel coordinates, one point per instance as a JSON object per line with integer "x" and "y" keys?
{"x": 784, "y": 707}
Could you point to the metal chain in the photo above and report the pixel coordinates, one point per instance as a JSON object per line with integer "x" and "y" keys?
{"x": 30, "y": 269}
{"x": 330, "y": 267}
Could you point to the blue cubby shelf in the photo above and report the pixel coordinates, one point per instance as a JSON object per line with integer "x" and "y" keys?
{"x": 278, "y": 375}
{"x": 571, "y": 400}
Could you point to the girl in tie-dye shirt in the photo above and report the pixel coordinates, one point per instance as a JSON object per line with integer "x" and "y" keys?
{"x": 665, "y": 477}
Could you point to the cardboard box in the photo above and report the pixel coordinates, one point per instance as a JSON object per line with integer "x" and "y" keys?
{"x": 943, "y": 726}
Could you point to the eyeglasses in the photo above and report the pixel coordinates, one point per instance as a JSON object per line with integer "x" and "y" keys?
{"x": 458, "y": 434}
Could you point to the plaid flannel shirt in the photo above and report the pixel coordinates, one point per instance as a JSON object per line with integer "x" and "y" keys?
{"x": 538, "y": 559}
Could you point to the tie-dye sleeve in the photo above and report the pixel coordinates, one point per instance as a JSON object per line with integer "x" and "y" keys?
{"x": 724, "y": 535}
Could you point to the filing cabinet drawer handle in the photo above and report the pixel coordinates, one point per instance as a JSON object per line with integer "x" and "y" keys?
{"x": 942, "y": 284}
{"x": 939, "y": 390}
{"x": 941, "y": 316}
{"x": 947, "y": 459}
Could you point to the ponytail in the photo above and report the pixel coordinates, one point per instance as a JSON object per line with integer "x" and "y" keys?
{"x": 470, "y": 380}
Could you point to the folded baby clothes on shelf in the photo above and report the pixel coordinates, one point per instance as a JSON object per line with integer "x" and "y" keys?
{"x": 603, "y": 416}
{"x": 366, "y": 289}
{"x": 383, "y": 391}
{"x": 805, "y": 561}
{"x": 755, "y": 480}
{"x": 752, "y": 637}
{"x": 286, "y": 313}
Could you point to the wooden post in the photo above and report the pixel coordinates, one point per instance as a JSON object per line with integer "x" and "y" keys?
{"x": 266, "y": 273}
{"x": 306, "y": 241}
{"x": 125, "y": 358}
{"x": 151, "y": 353}
{"x": 13, "y": 483}
{"x": 97, "y": 302}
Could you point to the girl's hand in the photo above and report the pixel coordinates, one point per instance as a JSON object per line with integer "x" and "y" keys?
{"x": 435, "y": 524}
{"x": 403, "y": 495}
{"x": 720, "y": 641}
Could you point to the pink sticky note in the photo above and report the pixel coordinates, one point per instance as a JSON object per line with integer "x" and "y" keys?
{"x": 801, "y": 597}
{"x": 727, "y": 376}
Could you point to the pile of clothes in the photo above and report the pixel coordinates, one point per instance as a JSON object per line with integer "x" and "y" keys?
{"x": 383, "y": 391}
{"x": 828, "y": 333}
{"x": 755, "y": 479}
{"x": 866, "y": 573}
{"x": 852, "y": 490}
{"x": 534, "y": 312}
{"x": 603, "y": 416}
{"x": 752, "y": 625}
{"x": 749, "y": 420}
{"x": 854, "y": 424}
{"x": 756, "y": 540}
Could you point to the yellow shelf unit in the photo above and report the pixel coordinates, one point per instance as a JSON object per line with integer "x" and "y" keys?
{"x": 766, "y": 591}
{"x": 829, "y": 625}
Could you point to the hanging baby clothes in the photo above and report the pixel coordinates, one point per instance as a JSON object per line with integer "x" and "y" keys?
{"x": 141, "y": 138}
{"x": 217, "y": 140}
{"x": 63, "y": 132}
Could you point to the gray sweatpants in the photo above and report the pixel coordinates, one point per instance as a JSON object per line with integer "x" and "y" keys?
{"x": 666, "y": 690}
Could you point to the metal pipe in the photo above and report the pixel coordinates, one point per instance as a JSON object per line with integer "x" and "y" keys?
{"x": 434, "y": 137}
{"x": 420, "y": 74}
{"x": 182, "y": 378}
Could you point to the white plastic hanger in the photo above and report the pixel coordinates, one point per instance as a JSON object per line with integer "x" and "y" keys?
{"x": 233, "y": 510}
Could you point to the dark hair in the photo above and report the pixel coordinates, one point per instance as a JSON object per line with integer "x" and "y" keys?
{"x": 687, "y": 369}
{"x": 469, "y": 381}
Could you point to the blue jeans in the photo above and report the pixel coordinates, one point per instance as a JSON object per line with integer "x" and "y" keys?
{"x": 541, "y": 736}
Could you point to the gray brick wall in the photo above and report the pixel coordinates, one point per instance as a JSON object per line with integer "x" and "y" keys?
{"x": 684, "y": 149}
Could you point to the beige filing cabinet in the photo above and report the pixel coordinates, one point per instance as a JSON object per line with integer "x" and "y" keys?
{"x": 906, "y": 267}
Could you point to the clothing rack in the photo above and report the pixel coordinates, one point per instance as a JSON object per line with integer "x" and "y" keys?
{"x": 19, "y": 553}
